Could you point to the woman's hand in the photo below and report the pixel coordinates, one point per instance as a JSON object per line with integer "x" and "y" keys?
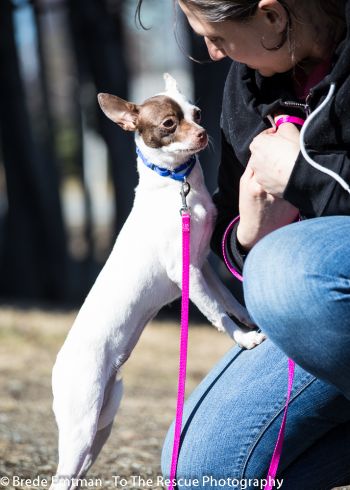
{"x": 260, "y": 212}
{"x": 273, "y": 155}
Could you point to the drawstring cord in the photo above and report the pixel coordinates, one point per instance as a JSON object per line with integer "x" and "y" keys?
{"x": 307, "y": 157}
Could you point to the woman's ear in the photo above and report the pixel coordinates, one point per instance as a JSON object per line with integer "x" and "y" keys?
{"x": 274, "y": 14}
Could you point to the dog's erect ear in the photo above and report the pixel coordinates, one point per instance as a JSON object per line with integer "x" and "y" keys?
{"x": 170, "y": 83}
{"x": 120, "y": 111}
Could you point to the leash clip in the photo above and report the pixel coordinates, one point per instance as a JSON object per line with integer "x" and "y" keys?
{"x": 185, "y": 190}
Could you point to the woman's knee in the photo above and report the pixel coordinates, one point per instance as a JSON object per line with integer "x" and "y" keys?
{"x": 272, "y": 278}
{"x": 297, "y": 271}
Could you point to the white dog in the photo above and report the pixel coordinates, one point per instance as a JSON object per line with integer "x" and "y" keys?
{"x": 142, "y": 274}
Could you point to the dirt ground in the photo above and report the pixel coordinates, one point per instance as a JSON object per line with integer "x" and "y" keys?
{"x": 29, "y": 341}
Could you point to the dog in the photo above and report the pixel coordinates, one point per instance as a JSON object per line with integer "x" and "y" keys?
{"x": 142, "y": 274}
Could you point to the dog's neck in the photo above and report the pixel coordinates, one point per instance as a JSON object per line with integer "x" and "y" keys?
{"x": 151, "y": 181}
{"x": 179, "y": 173}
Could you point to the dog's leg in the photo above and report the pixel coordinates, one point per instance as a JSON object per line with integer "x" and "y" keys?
{"x": 74, "y": 447}
{"x": 76, "y": 454}
{"x": 209, "y": 303}
{"x": 100, "y": 439}
{"x": 86, "y": 398}
{"x": 79, "y": 392}
{"x": 232, "y": 306}
{"x": 111, "y": 404}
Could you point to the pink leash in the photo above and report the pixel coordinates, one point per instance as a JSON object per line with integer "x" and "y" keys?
{"x": 186, "y": 235}
{"x": 271, "y": 474}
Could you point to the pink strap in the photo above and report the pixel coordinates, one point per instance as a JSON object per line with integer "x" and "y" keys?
{"x": 186, "y": 229}
{"x": 289, "y": 119}
{"x": 224, "y": 253}
{"x": 271, "y": 474}
{"x": 291, "y": 367}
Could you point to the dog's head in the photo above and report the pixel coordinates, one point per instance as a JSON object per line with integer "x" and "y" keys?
{"x": 166, "y": 126}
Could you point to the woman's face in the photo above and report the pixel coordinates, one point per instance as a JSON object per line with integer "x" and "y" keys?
{"x": 243, "y": 41}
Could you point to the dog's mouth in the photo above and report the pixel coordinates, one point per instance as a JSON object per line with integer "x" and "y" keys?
{"x": 196, "y": 149}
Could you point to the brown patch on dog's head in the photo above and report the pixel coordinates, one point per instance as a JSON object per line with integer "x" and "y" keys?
{"x": 160, "y": 120}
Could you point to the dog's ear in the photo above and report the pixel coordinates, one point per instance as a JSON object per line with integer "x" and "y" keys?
{"x": 120, "y": 111}
{"x": 170, "y": 83}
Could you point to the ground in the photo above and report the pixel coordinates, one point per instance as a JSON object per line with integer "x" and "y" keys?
{"x": 29, "y": 342}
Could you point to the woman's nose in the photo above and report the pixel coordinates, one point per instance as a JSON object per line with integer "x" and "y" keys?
{"x": 215, "y": 53}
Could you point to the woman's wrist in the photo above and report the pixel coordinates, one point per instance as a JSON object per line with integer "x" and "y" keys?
{"x": 246, "y": 239}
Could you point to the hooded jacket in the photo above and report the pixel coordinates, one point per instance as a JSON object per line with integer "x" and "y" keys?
{"x": 248, "y": 99}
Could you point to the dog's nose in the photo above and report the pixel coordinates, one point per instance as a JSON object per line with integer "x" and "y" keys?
{"x": 201, "y": 135}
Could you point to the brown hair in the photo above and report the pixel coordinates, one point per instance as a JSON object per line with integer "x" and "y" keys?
{"x": 327, "y": 16}
{"x": 242, "y": 10}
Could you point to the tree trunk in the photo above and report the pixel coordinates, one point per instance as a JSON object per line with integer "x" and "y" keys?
{"x": 100, "y": 54}
{"x": 33, "y": 258}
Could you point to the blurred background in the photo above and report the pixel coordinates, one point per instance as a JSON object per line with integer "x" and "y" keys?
{"x": 67, "y": 174}
{"x": 67, "y": 179}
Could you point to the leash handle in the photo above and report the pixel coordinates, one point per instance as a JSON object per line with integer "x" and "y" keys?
{"x": 186, "y": 235}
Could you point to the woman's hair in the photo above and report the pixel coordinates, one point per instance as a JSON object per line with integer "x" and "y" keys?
{"x": 240, "y": 10}
{"x": 331, "y": 13}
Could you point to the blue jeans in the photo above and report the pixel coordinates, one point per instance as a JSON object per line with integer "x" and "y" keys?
{"x": 297, "y": 289}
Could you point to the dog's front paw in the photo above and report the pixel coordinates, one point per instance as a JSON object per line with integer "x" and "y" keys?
{"x": 248, "y": 340}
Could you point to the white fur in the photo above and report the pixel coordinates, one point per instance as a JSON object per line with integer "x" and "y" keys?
{"x": 142, "y": 274}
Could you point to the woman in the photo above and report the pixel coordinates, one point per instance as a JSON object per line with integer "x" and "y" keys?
{"x": 296, "y": 276}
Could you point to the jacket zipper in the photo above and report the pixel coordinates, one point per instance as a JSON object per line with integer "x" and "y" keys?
{"x": 299, "y": 105}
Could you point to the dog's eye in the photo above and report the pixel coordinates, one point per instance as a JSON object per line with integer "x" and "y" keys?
{"x": 197, "y": 115}
{"x": 168, "y": 123}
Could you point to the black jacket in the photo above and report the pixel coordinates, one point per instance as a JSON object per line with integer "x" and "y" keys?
{"x": 248, "y": 99}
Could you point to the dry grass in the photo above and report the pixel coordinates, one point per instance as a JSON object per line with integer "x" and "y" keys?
{"x": 29, "y": 341}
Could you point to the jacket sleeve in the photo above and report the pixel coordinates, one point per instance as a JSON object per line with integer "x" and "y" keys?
{"x": 317, "y": 194}
{"x": 226, "y": 199}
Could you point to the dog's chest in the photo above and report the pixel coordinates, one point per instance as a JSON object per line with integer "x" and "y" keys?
{"x": 202, "y": 208}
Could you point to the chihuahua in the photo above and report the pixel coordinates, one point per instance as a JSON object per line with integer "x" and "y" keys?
{"x": 142, "y": 274}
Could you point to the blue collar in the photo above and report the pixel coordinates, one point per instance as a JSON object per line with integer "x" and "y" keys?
{"x": 179, "y": 173}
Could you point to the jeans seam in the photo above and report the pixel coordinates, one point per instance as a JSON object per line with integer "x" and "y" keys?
{"x": 265, "y": 426}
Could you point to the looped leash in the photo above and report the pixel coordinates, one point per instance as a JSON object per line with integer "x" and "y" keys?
{"x": 272, "y": 471}
{"x": 186, "y": 235}
{"x": 186, "y": 230}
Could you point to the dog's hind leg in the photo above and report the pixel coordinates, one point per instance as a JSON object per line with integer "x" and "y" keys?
{"x": 74, "y": 446}
{"x": 114, "y": 393}
{"x": 100, "y": 439}
{"x": 78, "y": 400}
